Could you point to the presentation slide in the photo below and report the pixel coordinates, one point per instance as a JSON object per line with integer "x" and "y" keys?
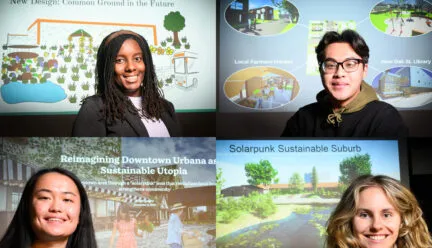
{"x": 280, "y": 193}
{"x": 49, "y": 50}
{"x": 268, "y": 61}
{"x": 147, "y": 175}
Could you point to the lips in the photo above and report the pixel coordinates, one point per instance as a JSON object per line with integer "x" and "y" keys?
{"x": 339, "y": 84}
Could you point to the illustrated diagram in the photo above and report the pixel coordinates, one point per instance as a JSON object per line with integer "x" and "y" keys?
{"x": 404, "y": 87}
{"x": 261, "y": 88}
{"x": 53, "y": 62}
{"x": 402, "y": 18}
{"x": 261, "y": 18}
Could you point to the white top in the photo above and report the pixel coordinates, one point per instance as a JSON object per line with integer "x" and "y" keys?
{"x": 155, "y": 128}
{"x": 175, "y": 229}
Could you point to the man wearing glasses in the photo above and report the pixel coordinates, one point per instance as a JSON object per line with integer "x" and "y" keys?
{"x": 348, "y": 106}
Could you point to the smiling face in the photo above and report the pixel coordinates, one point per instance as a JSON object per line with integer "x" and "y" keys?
{"x": 343, "y": 86}
{"x": 55, "y": 207}
{"x": 129, "y": 68}
{"x": 377, "y": 222}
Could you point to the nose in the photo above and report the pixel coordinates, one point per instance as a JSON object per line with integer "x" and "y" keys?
{"x": 130, "y": 66}
{"x": 339, "y": 70}
{"x": 56, "y": 205}
{"x": 376, "y": 224}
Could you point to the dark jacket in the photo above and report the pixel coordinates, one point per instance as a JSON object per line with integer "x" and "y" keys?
{"x": 376, "y": 119}
{"x": 364, "y": 116}
{"x": 90, "y": 122}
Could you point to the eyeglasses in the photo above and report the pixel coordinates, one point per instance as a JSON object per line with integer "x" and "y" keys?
{"x": 349, "y": 65}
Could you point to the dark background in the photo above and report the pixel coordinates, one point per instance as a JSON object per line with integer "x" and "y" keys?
{"x": 254, "y": 125}
{"x": 192, "y": 125}
{"x": 420, "y": 161}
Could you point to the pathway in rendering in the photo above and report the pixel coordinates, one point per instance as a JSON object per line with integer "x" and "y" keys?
{"x": 158, "y": 237}
{"x": 403, "y": 27}
{"x": 412, "y": 101}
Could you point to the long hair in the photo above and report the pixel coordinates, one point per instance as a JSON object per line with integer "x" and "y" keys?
{"x": 20, "y": 233}
{"x": 116, "y": 102}
{"x": 413, "y": 232}
{"x": 357, "y": 43}
{"x": 123, "y": 209}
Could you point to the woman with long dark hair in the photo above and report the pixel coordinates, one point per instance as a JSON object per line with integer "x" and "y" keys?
{"x": 54, "y": 211}
{"x": 127, "y": 228}
{"x": 128, "y": 101}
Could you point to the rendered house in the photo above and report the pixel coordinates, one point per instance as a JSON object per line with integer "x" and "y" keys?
{"x": 243, "y": 190}
{"x": 307, "y": 186}
{"x": 237, "y": 13}
{"x": 403, "y": 81}
{"x": 263, "y": 13}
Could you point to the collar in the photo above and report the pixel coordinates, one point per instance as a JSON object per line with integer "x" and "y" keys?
{"x": 367, "y": 94}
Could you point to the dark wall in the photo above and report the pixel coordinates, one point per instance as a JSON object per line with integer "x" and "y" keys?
{"x": 420, "y": 159}
{"x": 192, "y": 125}
{"x": 271, "y": 124}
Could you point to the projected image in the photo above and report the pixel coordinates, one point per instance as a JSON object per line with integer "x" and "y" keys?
{"x": 404, "y": 87}
{"x": 48, "y": 62}
{"x": 261, "y": 17}
{"x": 281, "y": 193}
{"x": 317, "y": 29}
{"x": 402, "y": 18}
{"x": 36, "y": 70}
{"x": 147, "y": 177}
{"x": 261, "y": 88}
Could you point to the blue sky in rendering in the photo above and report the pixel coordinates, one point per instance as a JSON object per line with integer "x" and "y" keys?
{"x": 394, "y": 2}
{"x": 384, "y": 157}
{"x": 253, "y": 4}
{"x": 191, "y": 148}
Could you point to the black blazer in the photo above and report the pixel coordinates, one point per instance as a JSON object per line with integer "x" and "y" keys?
{"x": 90, "y": 122}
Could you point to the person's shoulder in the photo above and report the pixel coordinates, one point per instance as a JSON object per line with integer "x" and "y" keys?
{"x": 168, "y": 106}
{"x": 382, "y": 106}
{"x": 312, "y": 108}
{"x": 388, "y": 120}
{"x": 94, "y": 99}
{"x": 165, "y": 101}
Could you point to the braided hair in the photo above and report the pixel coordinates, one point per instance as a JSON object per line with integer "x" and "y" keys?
{"x": 115, "y": 101}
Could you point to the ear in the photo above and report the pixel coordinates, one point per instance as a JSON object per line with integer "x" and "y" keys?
{"x": 365, "y": 70}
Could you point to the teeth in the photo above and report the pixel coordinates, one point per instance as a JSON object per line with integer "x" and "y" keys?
{"x": 380, "y": 237}
{"x": 55, "y": 219}
{"x": 131, "y": 79}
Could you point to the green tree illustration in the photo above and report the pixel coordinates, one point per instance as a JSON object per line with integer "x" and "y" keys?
{"x": 296, "y": 183}
{"x": 288, "y": 7}
{"x": 219, "y": 184}
{"x": 174, "y": 22}
{"x": 352, "y": 167}
{"x": 260, "y": 173}
{"x": 314, "y": 179}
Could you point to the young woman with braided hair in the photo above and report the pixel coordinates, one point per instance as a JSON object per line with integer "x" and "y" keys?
{"x": 128, "y": 101}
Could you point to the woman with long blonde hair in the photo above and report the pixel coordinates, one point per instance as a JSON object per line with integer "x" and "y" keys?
{"x": 377, "y": 211}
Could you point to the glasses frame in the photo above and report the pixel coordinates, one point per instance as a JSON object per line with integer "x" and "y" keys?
{"x": 359, "y": 61}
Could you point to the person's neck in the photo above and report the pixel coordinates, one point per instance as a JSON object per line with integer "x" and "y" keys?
{"x": 337, "y": 105}
{"x": 50, "y": 244}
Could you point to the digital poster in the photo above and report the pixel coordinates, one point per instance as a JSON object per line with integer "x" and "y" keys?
{"x": 280, "y": 193}
{"x": 49, "y": 48}
{"x": 268, "y": 60}
{"x": 143, "y": 177}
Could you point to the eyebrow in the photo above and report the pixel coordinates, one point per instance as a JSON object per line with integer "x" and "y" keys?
{"x": 330, "y": 58}
{"x": 382, "y": 210}
{"x": 139, "y": 53}
{"x": 49, "y": 191}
